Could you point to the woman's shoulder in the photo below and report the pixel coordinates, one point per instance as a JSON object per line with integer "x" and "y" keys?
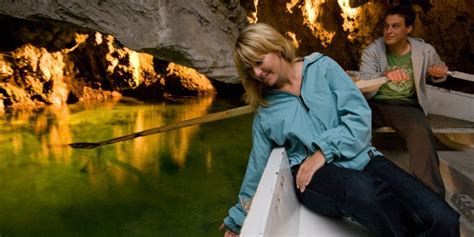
{"x": 317, "y": 61}
{"x": 312, "y": 61}
{"x": 313, "y": 57}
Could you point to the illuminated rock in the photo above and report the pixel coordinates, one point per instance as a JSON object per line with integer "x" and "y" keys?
{"x": 196, "y": 34}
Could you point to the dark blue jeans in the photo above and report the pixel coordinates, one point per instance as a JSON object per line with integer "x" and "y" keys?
{"x": 382, "y": 197}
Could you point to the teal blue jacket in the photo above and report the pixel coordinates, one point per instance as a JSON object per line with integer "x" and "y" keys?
{"x": 331, "y": 115}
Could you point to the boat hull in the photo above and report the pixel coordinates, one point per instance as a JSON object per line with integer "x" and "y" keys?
{"x": 450, "y": 103}
{"x": 276, "y": 211}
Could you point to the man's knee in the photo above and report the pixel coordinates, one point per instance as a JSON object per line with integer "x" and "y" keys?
{"x": 419, "y": 131}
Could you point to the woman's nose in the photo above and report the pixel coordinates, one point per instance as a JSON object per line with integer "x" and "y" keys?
{"x": 256, "y": 71}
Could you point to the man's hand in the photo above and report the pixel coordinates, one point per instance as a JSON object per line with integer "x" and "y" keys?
{"x": 438, "y": 70}
{"x": 396, "y": 75}
{"x": 308, "y": 168}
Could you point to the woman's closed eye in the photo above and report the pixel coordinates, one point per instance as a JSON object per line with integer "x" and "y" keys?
{"x": 249, "y": 68}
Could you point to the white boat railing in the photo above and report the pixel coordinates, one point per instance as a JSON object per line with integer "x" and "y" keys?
{"x": 276, "y": 211}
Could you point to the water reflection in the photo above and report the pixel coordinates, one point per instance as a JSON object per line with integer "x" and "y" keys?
{"x": 54, "y": 127}
{"x": 141, "y": 187}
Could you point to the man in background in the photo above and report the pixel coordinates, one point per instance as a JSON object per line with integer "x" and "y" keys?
{"x": 401, "y": 103}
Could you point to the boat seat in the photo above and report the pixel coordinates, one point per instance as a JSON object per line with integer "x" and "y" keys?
{"x": 441, "y": 124}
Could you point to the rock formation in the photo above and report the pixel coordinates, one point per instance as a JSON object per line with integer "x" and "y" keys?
{"x": 99, "y": 46}
{"x": 196, "y": 34}
{"x": 46, "y": 63}
{"x": 342, "y": 28}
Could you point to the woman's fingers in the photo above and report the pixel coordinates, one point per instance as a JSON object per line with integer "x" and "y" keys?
{"x": 308, "y": 168}
{"x": 228, "y": 232}
{"x": 303, "y": 177}
{"x": 299, "y": 177}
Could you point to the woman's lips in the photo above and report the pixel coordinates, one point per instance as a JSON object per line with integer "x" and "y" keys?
{"x": 264, "y": 76}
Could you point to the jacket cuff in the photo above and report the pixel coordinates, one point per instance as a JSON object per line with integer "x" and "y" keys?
{"x": 327, "y": 151}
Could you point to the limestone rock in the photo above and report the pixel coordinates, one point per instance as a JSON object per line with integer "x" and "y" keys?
{"x": 6, "y": 70}
{"x": 83, "y": 67}
{"x": 186, "y": 81}
{"x": 198, "y": 34}
{"x": 37, "y": 78}
{"x": 342, "y": 31}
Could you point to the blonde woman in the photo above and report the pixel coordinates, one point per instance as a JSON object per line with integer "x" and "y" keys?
{"x": 311, "y": 107}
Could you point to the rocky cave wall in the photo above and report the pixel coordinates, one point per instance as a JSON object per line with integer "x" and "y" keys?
{"x": 55, "y": 52}
{"x": 336, "y": 29}
{"x": 87, "y": 45}
{"x": 48, "y": 63}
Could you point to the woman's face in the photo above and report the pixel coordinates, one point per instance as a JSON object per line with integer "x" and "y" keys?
{"x": 267, "y": 70}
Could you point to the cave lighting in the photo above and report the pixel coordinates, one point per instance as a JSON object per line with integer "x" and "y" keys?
{"x": 252, "y": 16}
{"x": 312, "y": 10}
{"x": 294, "y": 41}
{"x": 350, "y": 16}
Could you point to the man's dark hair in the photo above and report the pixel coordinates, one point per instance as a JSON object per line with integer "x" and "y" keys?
{"x": 404, "y": 11}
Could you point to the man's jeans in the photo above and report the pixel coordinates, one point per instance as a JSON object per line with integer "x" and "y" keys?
{"x": 382, "y": 197}
{"x": 409, "y": 121}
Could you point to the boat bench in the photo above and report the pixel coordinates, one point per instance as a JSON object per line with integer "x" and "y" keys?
{"x": 276, "y": 211}
{"x": 441, "y": 126}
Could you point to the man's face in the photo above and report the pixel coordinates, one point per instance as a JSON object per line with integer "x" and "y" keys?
{"x": 395, "y": 31}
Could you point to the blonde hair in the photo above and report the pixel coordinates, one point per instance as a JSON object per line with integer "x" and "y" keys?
{"x": 253, "y": 42}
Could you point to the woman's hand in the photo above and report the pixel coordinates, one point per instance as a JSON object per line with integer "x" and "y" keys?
{"x": 308, "y": 168}
{"x": 228, "y": 232}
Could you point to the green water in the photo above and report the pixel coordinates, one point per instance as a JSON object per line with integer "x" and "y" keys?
{"x": 179, "y": 183}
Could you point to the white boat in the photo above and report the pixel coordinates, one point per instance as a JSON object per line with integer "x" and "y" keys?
{"x": 450, "y": 103}
{"x": 275, "y": 210}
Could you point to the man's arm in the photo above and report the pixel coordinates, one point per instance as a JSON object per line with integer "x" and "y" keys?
{"x": 437, "y": 69}
{"x": 370, "y": 63}
{"x": 371, "y": 66}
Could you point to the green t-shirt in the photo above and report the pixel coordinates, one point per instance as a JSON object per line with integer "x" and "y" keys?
{"x": 404, "y": 90}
